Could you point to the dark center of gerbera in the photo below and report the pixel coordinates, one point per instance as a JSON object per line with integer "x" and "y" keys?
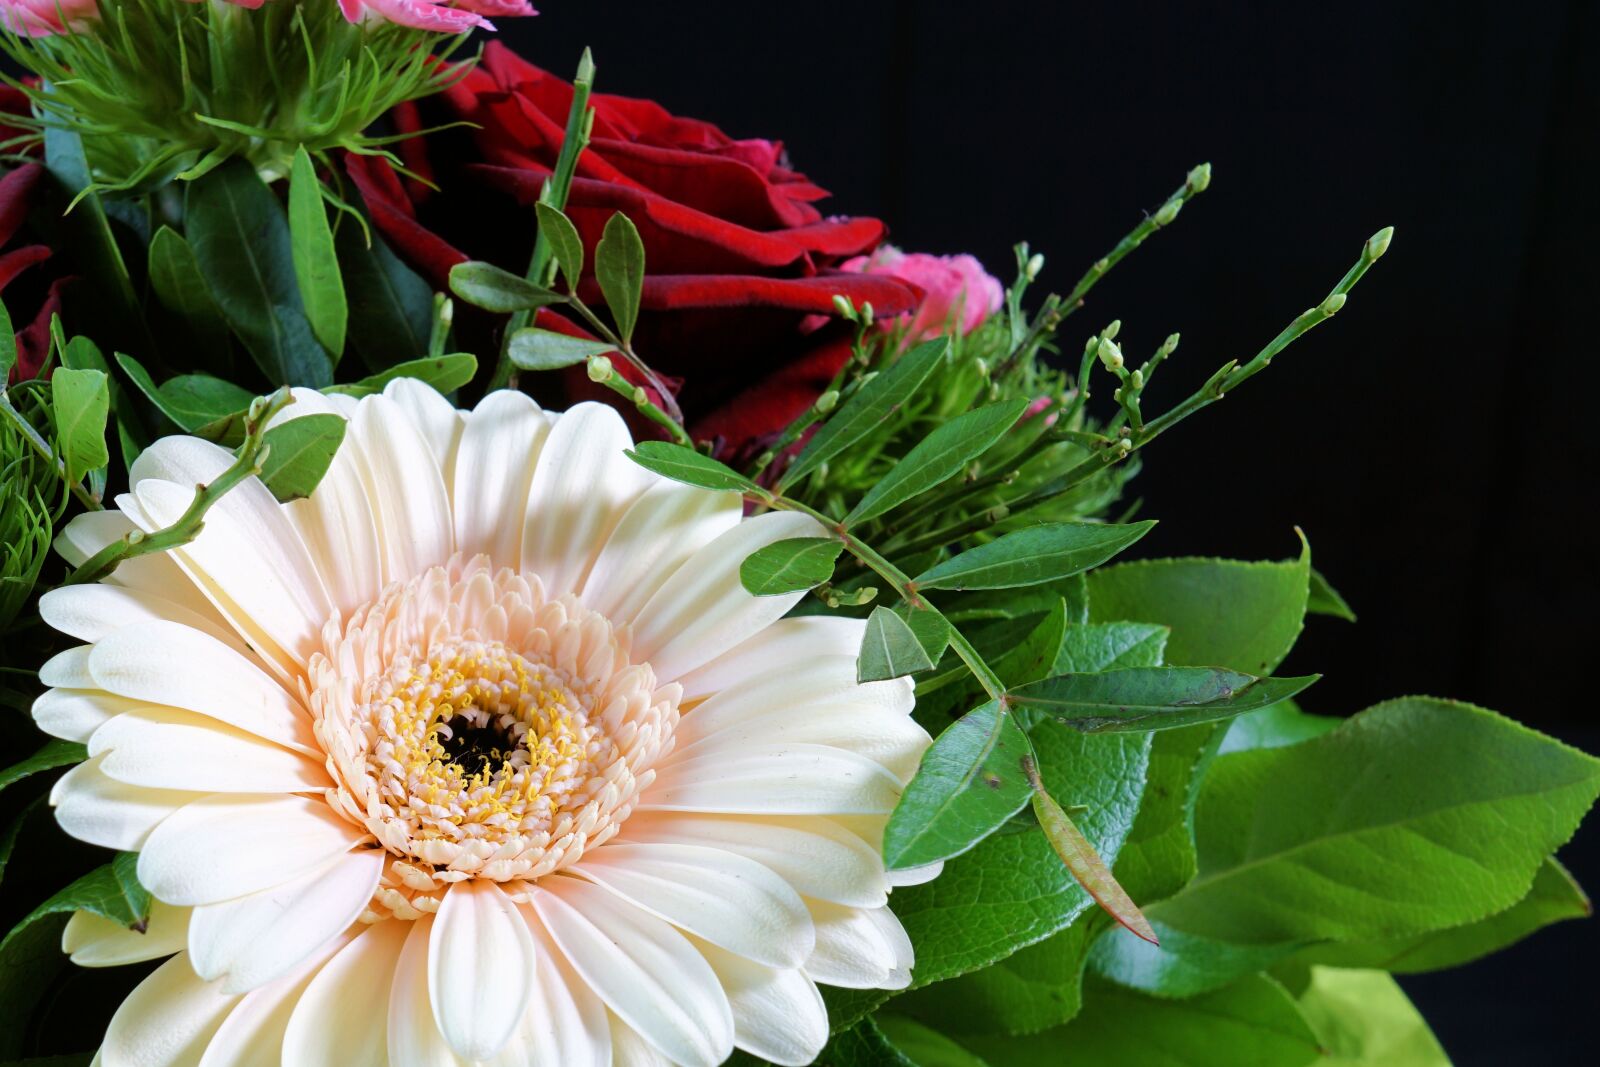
{"x": 481, "y": 749}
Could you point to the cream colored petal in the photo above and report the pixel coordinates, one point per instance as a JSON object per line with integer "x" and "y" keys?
{"x": 414, "y": 1038}
{"x": 893, "y": 741}
{"x": 494, "y": 467}
{"x": 894, "y": 935}
{"x": 89, "y": 532}
{"x": 776, "y": 780}
{"x": 480, "y": 968}
{"x": 75, "y": 714}
{"x": 90, "y": 612}
{"x": 167, "y": 1020}
{"x": 166, "y": 748}
{"x": 787, "y": 641}
{"x": 406, "y": 488}
{"x": 720, "y": 896}
{"x": 165, "y": 663}
{"x": 854, "y": 949}
{"x": 95, "y": 808}
{"x": 258, "y": 938}
{"x": 778, "y": 1015}
{"x": 221, "y": 847}
{"x": 817, "y": 857}
{"x": 435, "y": 418}
{"x": 630, "y": 1049}
{"x": 95, "y": 941}
{"x": 915, "y": 875}
{"x": 581, "y": 487}
{"x": 252, "y": 1035}
{"x": 666, "y": 525}
{"x": 702, "y": 610}
{"x": 69, "y": 669}
{"x": 342, "y": 1018}
{"x": 645, "y": 971}
{"x": 565, "y": 1024}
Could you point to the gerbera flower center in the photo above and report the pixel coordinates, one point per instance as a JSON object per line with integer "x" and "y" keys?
{"x": 477, "y": 729}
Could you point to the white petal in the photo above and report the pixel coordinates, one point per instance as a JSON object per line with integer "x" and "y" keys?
{"x": 722, "y": 897}
{"x": 819, "y": 858}
{"x": 90, "y": 612}
{"x": 787, "y": 641}
{"x": 778, "y": 1015}
{"x": 566, "y": 1023}
{"x": 480, "y": 968}
{"x": 494, "y": 467}
{"x": 167, "y": 1020}
{"x": 75, "y": 714}
{"x": 97, "y": 809}
{"x": 252, "y": 1035}
{"x": 342, "y": 1018}
{"x": 853, "y": 949}
{"x": 660, "y": 530}
{"x": 702, "y": 610}
{"x": 630, "y": 1049}
{"x": 915, "y": 875}
{"x": 165, "y": 748}
{"x": 69, "y": 669}
{"x": 581, "y": 487}
{"x": 255, "y": 939}
{"x": 435, "y": 418}
{"x": 164, "y": 663}
{"x": 94, "y": 941}
{"x": 776, "y": 780}
{"x": 414, "y": 1038}
{"x": 894, "y": 935}
{"x": 89, "y": 532}
{"x": 221, "y": 847}
{"x": 642, "y": 968}
{"x": 406, "y": 488}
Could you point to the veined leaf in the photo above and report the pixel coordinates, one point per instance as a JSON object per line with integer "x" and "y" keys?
{"x": 1090, "y": 648}
{"x": 534, "y": 349}
{"x": 81, "y": 403}
{"x": 445, "y": 373}
{"x": 1034, "y": 555}
{"x": 619, "y": 268}
{"x": 54, "y": 754}
{"x": 487, "y": 286}
{"x": 1086, "y": 865}
{"x": 970, "y": 782}
{"x": 1183, "y": 964}
{"x": 892, "y": 646}
{"x": 1274, "y": 726}
{"x": 189, "y": 400}
{"x": 316, "y": 265}
{"x": 300, "y": 452}
{"x": 1153, "y": 698}
{"x": 1324, "y": 599}
{"x": 690, "y": 467}
{"x": 181, "y": 288}
{"x": 1364, "y": 1019}
{"x": 792, "y": 565}
{"x": 873, "y": 402}
{"x": 391, "y": 307}
{"x": 564, "y": 242}
{"x": 939, "y": 456}
{"x": 923, "y": 1045}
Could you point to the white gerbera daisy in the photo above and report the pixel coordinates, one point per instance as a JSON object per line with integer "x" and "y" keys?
{"x": 479, "y": 755}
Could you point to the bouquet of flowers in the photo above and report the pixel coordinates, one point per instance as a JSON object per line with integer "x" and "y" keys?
{"x": 664, "y": 625}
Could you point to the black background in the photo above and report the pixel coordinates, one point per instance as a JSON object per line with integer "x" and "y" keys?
{"x": 1433, "y": 440}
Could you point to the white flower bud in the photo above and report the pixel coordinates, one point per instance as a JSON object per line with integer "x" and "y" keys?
{"x": 1035, "y": 265}
{"x": 1110, "y": 354}
{"x": 599, "y": 368}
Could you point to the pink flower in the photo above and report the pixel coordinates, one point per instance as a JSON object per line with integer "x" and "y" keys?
{"x": 43, "y": 18}
{"x": 956, "y": 290}
{"x": 459, "y": 17}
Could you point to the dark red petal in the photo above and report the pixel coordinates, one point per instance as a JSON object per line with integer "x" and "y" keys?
{"x": 16, "y": 191}
{"x": 395, "y": 218}
{"x": 778, "y": 399}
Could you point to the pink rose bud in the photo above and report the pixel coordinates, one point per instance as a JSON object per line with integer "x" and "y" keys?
{"x": 956, "y": 290}
{"x": 44, "y": 18}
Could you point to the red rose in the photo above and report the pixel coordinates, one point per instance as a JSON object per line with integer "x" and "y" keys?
{"x": 740, "y": 262}
{"x": 17, "y": 187}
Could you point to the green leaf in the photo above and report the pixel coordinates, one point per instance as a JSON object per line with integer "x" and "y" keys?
{"x": 1159, "y": 856}
{"x": 1153, "y": 698}
{"x": 54, "y": 754}
{"x": 1274, "y": 726}
{"x": 1032, "y": 657}
{"x": 8, "y": 345}
{"x": 1415, "y": 815}
{"x": 241, "y": 242}
{"x": 868, "y": 407}
{"x": 891, "y": 647}
{"x": 792, "y": 565}
{"x": 81, "y": 403}
{"x": 1095, "y": 647}
{"x": 939, "y": 456}
{"x": 863, "y": 1045}
{"x": 1253, "y": 1023}
{"x": 1183, "y": 965}
{"x": 181, "y": 288}
{"x": 1555, "y": 897}
{"x": 487, "y": 286}
{"x": 969, "y": 783}
{"x": 316, "y": 265}
{"x": 1324, "y": 599}
{"x": 1031, "y": 556}
{"x": 391, "y": 307}
{"x": 1092, "y": 872}
{"x": 690, "y": 467}
{"x": 564, "y": 242}
{"x": 1223, "y": 613}
{"x": 923, "y": 1045}
{"x": 300, "y": 451}
{"x": 534, "y": 349}
{"x": 1363, "y": 1019}
{"x": 189, "y": 400}
{"x": 1011, "y": 890}
{"x": 84, "y": 233}
{"x": 445, "y": 374}
{"x": 619, "y": 268}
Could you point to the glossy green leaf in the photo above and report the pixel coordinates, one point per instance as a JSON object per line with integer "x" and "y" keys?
{"x": 189, "y": 400}
{"x": 792, "y": 565}
{"x": 690, "y": 467}
{"x": 1183, "y": 965}
{"x": 891, "y": 648}
{"x": 1159, "y": 856}
{"x": 941, "y": 455}
{"x": 532, "y": 348}
{"x": 54, "y": 754}
{"x": 1095, "y": 647}
{"x": 241, "y": 241}
{"x": 80, "y": 403}
{"x": 863, "y": 1045}
{"x": 619, "y": 268}
{"x": 1033, "y": 657}
{"x": 923, "y": 1045}
{"x": 300, "y": 452}
{"x": 1034, "y": 555}
{"x": 391, "y": 307}
{"x": 970, "y": 782}
{"x": 181, "y": 288}
{"x": 564, "y": 242}
{"x": 1153, "y": 698}
{"x": 868, "y": 407}
{"x": 1274, "y": 726}
{"x": 316, "y": 264}
{"x": 1324, "y": 599}
{"x": 1340, "y": 837}
{"x": 487, "y": 286}
{"x": 1223, "y": 613}
{"x": 445, "y": 374}
{"x": 1364, "y": 1019}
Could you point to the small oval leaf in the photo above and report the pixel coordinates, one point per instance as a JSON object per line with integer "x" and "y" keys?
{"x": 300, "y": 451}
{"x": 619, "y": 267}
{"x": 1034, "y": 555}
{"x": 792, "y": 565}
{"x": 690, "y": 467}
{"x": 534, "y": 349}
